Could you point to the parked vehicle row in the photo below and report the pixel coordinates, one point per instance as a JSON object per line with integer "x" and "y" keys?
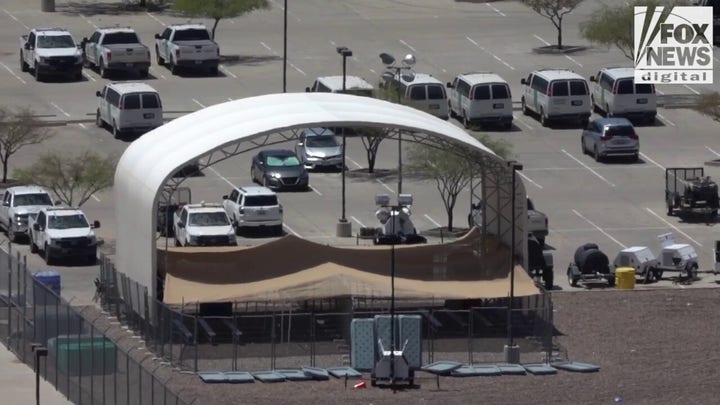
{"x": 28, "y": 212}
{"x": 54, "y": 51}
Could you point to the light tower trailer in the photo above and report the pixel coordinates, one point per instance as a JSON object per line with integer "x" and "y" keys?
{"x": 679, "y": 257}
{"x": 689, "y": 193}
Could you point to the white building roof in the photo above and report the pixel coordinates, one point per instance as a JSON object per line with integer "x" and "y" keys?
{"x": 150, "y": 161}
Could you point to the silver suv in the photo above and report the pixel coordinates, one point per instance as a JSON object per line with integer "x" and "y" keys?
{"x": 607, "y": 137}
{"x": 255, "y": 208}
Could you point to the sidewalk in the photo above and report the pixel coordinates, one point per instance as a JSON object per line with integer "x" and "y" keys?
{"x": 17, "y": 383}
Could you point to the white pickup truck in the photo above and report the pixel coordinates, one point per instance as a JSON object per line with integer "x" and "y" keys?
{"x": 116, "y": 49}
{"x": 203, "y": 225}
{"x": 50, "y": 51}
{"x": 18, "y": 205}
{"x": 188, "y": 46}
{"x": 63, "y": 232}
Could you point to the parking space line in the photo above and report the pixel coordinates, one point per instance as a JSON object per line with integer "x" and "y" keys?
{"x": 227, "y": 71}
{"x": 358, "y": 221}
{"x": 57, "y": 107}
{"x": 529, "y": 180}
{"x": 373, "y": 71}
{"x": 495, "y": 9}
{"x": 588, "y": 167}
{"x": 156, "y": 19}
{"x": 266, "y": 46}
{"x": 497, "y": 58}
{"x": 712, "y": 151}
{"x": 522, "y": 122}
{"x": 220, "y": 176}
{"x": 88, "y": 76}
{"x": 290, "y": 13}
{"x": 407, "y": 45}
{"x": 353, "y": 162}
{"x": 662, "y": 117}
{"x": 198, "y": 103}
{"x": 291, "y": 230}
{"x": 297, "y": 68}
{"x": 13, "y": 73}
{"x": 660, "y": 92}
{"x": 599, "y": 229}
{"x": 673, "y": 227}
{"x": 691, "y": 89}
{"x": 432, "y": 220}
{"x": 16, "y": 19}
{"x": 625, "y": 229}
{"x": 88, "y": 21}
{"x": 646, "y": 157}
{"x": 354, "y": 10}
{"x": 153, "y": 71}
{"x": 385, "y": 185}
{"x": 315, "y": 190}
{"x": 566, "y": 56}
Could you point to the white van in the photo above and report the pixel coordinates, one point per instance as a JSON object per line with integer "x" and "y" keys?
{"x": 424, "y": 93}
{"x": 616, "y": 94}
{"x": 480, "y": 97}
{"x": 556, "y": 94}
{"x": 334, "y": 84}
{"x": 129, "y": 107}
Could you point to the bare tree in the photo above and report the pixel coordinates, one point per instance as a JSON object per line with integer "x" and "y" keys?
{"x": 709, "y": 104}
{"x": 73, "y": 179}
{"x": 18, "y": 128}
{"x": 451, "y": 167}
{"x": 371, "y": 138}
{"x": 555, "y": 11}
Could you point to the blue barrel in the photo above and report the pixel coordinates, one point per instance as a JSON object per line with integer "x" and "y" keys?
{"x": 50, "y": 279}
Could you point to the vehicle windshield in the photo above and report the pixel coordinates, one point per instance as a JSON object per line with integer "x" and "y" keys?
{"x": 209, "y": 219}
{"x": 619, "y": 130}
{"x": 191, "y": 34}
{"x": 260, "y": 200}
{"x": 321, "y": 142}
{"x": 32, "y": 199}
{"x": 282, "y": 161}
{"x": 55, "y": 41}
{"x": 67, "y": 221}
{"x": 121, "y": 38}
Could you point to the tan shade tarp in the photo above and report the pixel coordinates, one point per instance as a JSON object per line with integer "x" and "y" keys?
{"x": 291, "y": 268}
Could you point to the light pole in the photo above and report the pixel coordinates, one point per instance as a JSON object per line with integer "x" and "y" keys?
{"x": 285, "y": 47}
{"x": 344, "y": 228}
{"x": 512, "y": 351}
{"x": 397, "y": 74}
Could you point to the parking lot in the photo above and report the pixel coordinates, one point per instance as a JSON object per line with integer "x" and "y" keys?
{"x": 614, "y": 204}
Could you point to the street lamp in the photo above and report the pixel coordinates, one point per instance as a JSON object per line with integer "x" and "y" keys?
{"x": 404, "y": 72}
{"x": 512, "y": 351}
{"x": 285, "y": 47}
{"x": 344, "y": 228}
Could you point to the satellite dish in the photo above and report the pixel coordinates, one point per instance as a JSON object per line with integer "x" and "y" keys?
{"x": 408, "y": 76}
{"x": 409, "y": 59}
{"x": 388, "y": 75}
{"x": 387, "y": 59}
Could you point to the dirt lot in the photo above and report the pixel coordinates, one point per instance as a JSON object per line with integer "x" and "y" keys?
{"x": 654, "y": 347}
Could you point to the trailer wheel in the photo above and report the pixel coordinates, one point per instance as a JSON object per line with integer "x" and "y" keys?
{"x": 611, "y": 280}
{"x": 548, "y": 278}
{"x": 573, "y": 281}
{"x": 648, "y": 276}
{"x": 658, "y": 274}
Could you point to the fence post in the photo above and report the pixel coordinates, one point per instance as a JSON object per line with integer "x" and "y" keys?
{"x": 10, "y": 300}
{"x": 195, "y": 338}
{"x": 24, "y": 306}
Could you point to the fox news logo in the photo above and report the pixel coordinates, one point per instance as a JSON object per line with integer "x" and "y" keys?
{"x": 673, "y": 45}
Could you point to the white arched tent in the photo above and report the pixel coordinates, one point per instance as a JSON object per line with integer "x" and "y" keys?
{"x": 228, "y": 129}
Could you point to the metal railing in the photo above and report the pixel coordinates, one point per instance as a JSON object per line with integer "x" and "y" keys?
{"x": 83, "y": 363}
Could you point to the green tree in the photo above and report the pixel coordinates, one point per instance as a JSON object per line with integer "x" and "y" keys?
{"x": 73, "y": 179}
{"x": 709, "y": 104}
{"x": 451, "y": 168}
{"x": 555, "y": 11}
{"x": 219, "y": 9}
{"x": 18, "y": 128}
{"x": 613, "y": 25}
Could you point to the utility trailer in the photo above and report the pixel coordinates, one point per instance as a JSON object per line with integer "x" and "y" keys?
{"x": 168, "y": 203}
{"x": 689, "y": 193}
{"x": 590, "y": 264}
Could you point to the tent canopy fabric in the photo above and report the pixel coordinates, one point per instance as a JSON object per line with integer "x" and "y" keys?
{"x": 453, "y": 270}
{"x": 149, "y": 162}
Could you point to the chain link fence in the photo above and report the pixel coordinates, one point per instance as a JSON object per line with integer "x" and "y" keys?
{"x": 82, "y": 362}
{"x": 254, "y": 336}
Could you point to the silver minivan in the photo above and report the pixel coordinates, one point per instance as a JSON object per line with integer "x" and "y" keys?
{"x": 606, "y": 137}
{"x": 615, "y": 93}
{"x": 129, "y": 107}
{"x": 482, "y": 98}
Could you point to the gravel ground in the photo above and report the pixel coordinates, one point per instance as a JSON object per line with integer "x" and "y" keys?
{"x": 653, "y": 347}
